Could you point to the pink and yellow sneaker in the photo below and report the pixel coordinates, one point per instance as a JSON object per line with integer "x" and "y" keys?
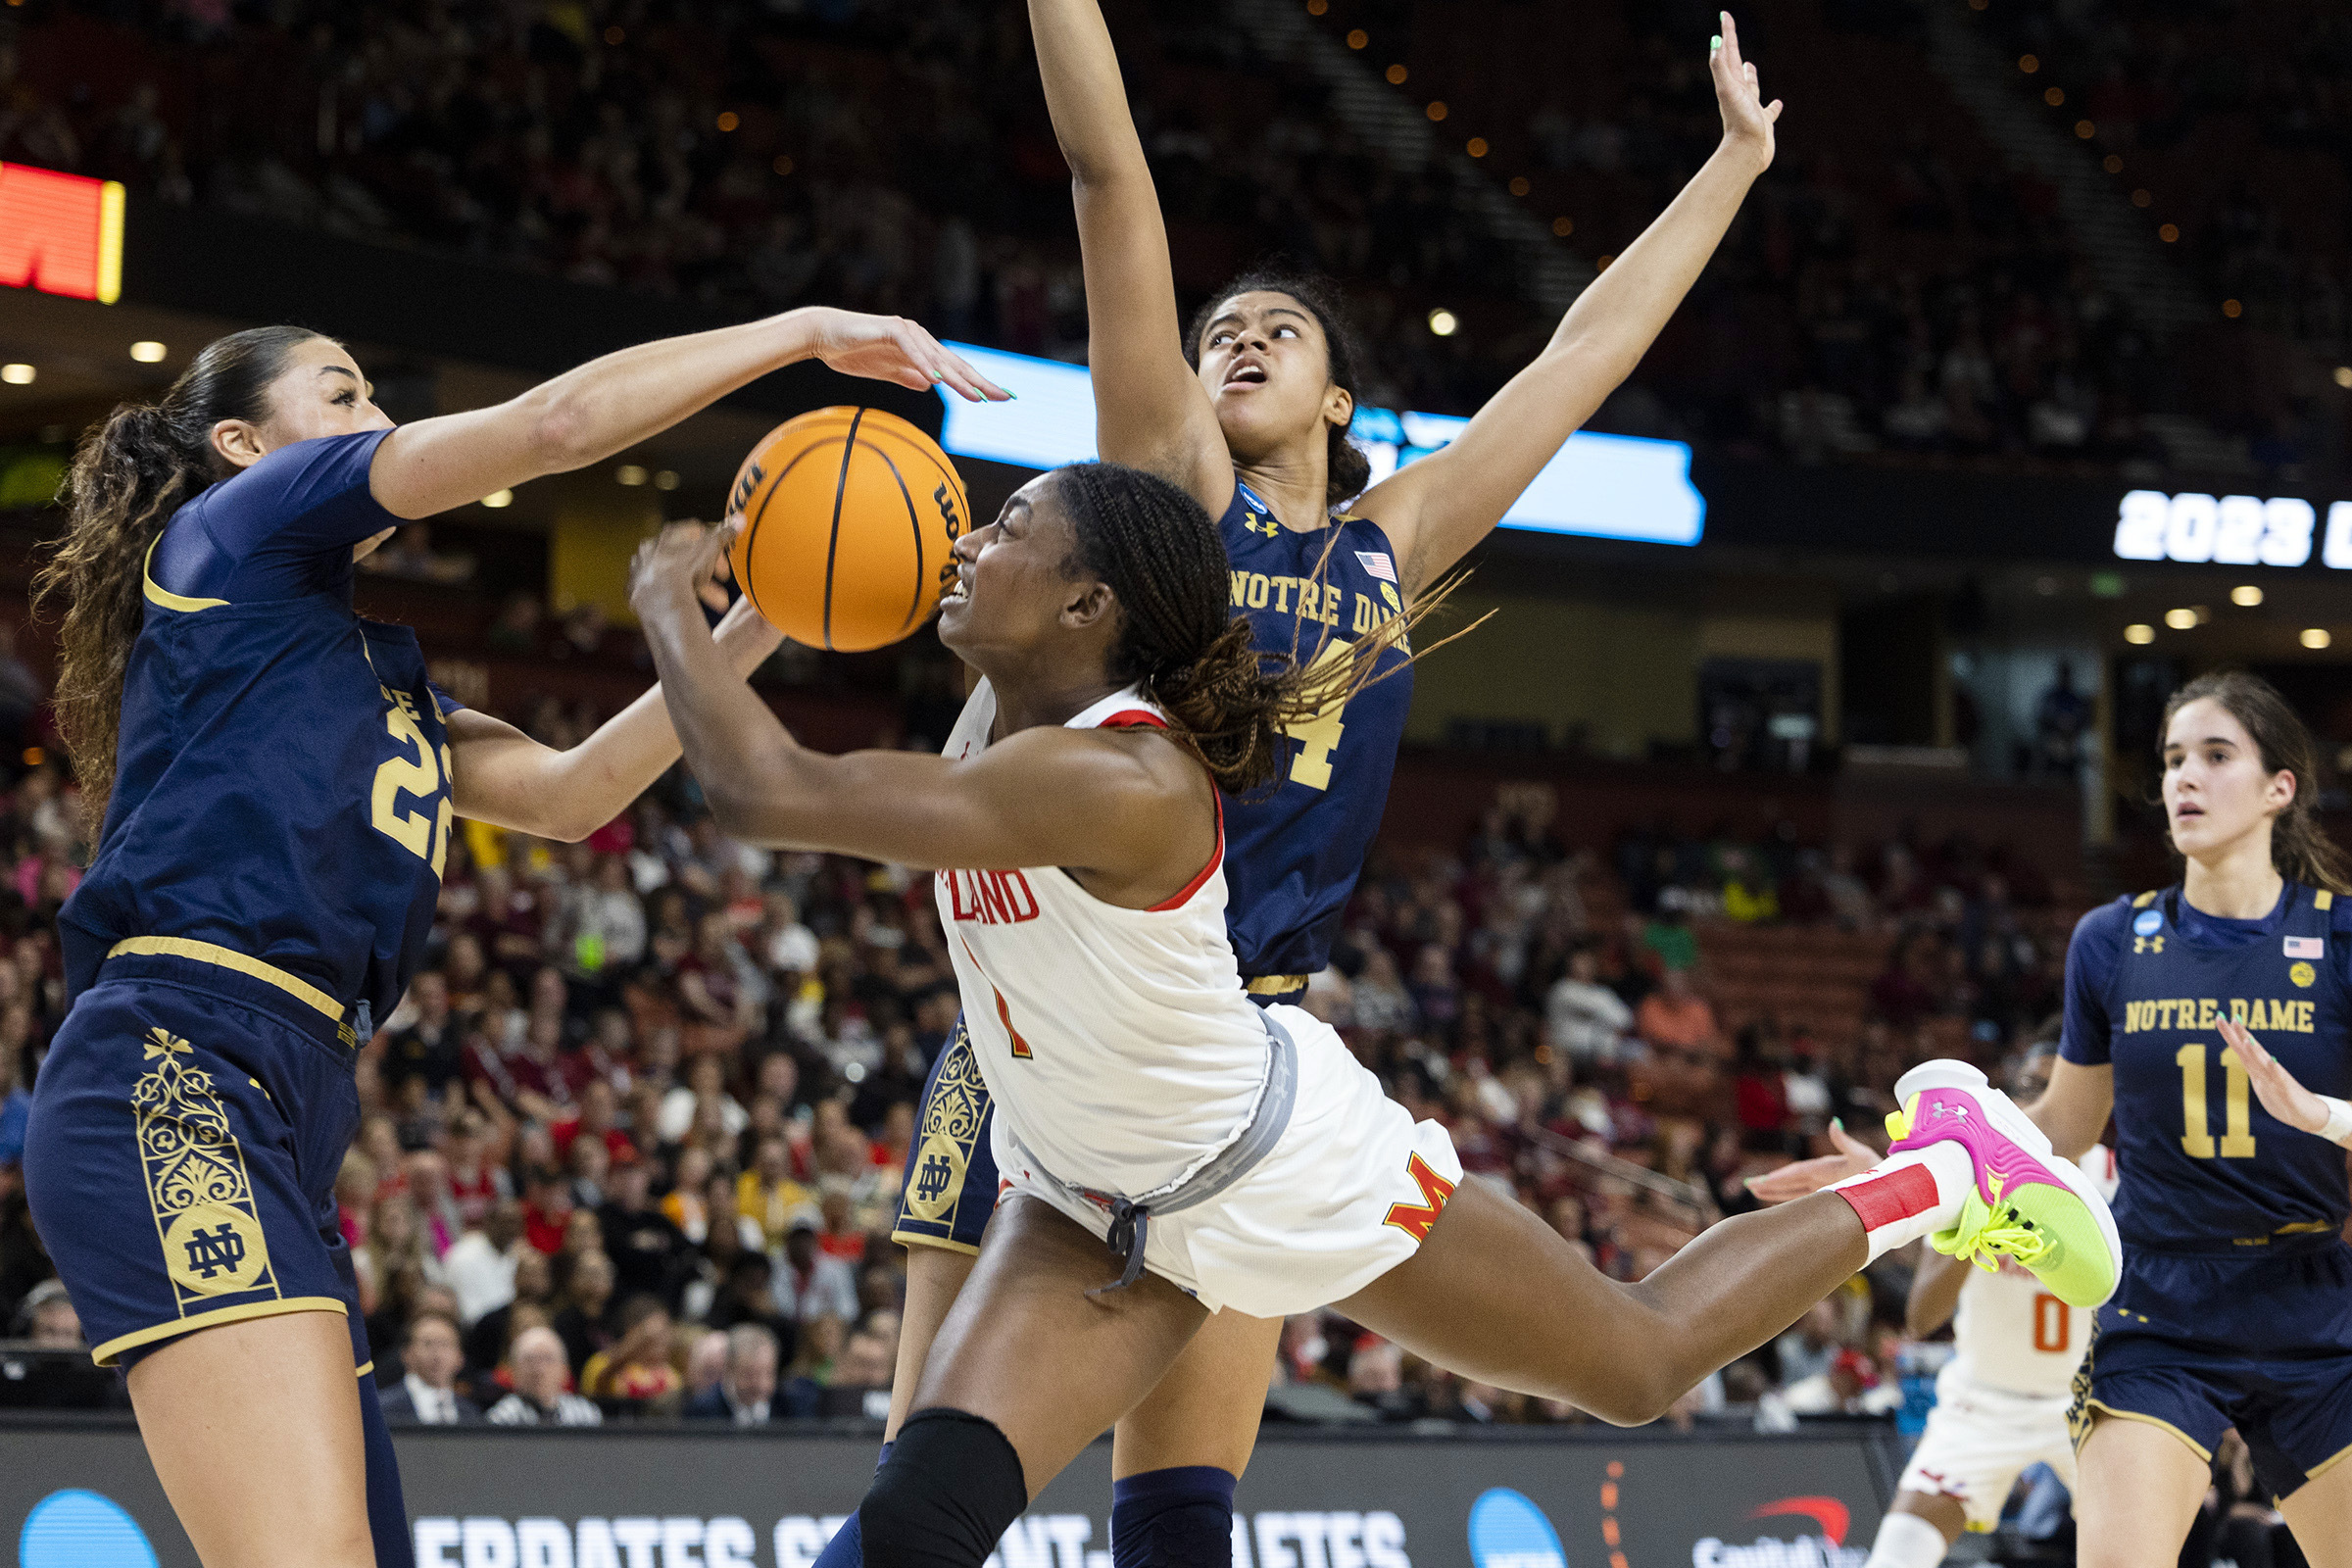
{"x": 2025, "y": 1204}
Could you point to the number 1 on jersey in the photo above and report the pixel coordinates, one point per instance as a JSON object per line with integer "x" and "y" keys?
{"x": 2196, "y": 1133}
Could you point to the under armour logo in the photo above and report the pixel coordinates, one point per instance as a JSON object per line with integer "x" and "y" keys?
{"x": 932, "y": 1180}
{"x": 215, "y": 1252}
{"x": 2147, "y": 944}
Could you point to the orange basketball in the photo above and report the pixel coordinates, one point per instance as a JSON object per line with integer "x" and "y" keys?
{"x": 847, "y": 517}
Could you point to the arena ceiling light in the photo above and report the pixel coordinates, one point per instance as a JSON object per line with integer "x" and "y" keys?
{"x": 498, "y": 499}
{"x": 16, "y": 374}
{"x": 2182, "y": 620}
{"x": 2245, "y": 595}
{"x": 630, "y": 474}
{"x": 2316, "y": 637}
{"x": 147, "y": 351}
{"x": 1444, "y": 323}
{"x": 2139, "y": 633}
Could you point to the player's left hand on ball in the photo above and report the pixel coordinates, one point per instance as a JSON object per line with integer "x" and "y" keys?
{"x": 1747, "y": 120}
{"x": 2280, "y": 1094}
{"x": 685, "y": 555}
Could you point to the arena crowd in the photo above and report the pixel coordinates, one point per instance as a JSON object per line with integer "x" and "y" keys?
{"x": 632, "y": 1144}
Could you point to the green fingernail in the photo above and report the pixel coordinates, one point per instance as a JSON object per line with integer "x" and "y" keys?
{"x": 1838, "y": 1122}
{"x": 1715, "y": 42}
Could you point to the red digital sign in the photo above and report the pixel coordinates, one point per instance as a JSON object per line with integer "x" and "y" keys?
{"x": 61, "y": 233}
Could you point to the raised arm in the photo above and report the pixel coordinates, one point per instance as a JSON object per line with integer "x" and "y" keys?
{"x": 1436, "y": 510}
{"x": 612, "y": 403}
{"x": 1149, "y": 410}
{"x": 1008, "y": 806}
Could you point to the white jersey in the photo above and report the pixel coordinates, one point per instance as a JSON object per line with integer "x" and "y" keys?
{"x": 1084, "y": 1014}
{"x": 1123, "y": 1054}
{"x": 2012, "y": 1336}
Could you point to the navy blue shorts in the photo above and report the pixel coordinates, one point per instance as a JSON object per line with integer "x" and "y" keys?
{"x": 2199, "y": 1343}
{"x": 950, "y": 1187}
{"x": 180, "y": 1161}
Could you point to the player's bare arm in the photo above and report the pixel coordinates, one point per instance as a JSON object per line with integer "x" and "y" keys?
{"x": 612, "y": 403}
{"x": 500, "y": 775}
{"x": 1935, "y": 1293}
{"x": 1438, "y": 508}
{"x": 1150, "y": 409}
{"x": 1129, "y": 814}
{"x": 2072, "y": 1112}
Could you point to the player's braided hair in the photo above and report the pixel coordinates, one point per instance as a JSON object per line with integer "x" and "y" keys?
{"x": 2300, "y": 848}
{"x": 1162, "y": 559}
{"x": 128, "y": 476}
{"x": 1348, "y": 469}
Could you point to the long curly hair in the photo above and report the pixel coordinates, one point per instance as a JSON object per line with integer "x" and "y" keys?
{"x": 129, "y": 474}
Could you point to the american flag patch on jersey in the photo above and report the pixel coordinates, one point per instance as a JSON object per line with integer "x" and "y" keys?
{"x": 1377, "y": 564}
{"x": 2306, "y": 947}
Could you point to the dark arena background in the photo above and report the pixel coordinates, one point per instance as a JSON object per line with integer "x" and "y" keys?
{"x": 1820, "y": 697}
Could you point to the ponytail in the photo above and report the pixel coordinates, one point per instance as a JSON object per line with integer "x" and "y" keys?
{"x": 2300, "y": 848}
{"x": 1228, "y": 702}
{"x": 128, "y": 476}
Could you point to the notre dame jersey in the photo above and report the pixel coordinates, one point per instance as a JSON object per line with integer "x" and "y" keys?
{"x": 2205, "y": 1167}
{"x": 1294, "y": 852}
{"x": 281, "y": 789}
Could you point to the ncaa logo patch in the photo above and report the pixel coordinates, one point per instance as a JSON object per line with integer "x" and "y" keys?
{"x": 2302, "y": 974}
{"x": 2146, "y": 923}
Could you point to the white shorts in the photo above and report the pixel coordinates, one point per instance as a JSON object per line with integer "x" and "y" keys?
{"x": 1346, "y": 1195}
{"x": 1978, "y": 1441}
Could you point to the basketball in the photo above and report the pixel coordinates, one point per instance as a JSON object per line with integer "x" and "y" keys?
{"x": 847, "y": 518}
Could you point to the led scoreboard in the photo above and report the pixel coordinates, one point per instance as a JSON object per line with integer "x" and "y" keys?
{"x": 2230, "y": 530}
{"x": 61, "y": 233}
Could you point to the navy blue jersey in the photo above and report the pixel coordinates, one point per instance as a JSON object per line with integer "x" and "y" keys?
{"x": 281, "y": 789}
{"x": 1294, "y": 852}
{"x": 2205, "y": 1168}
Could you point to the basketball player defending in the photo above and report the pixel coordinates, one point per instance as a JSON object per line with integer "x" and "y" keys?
{"x": 1247, "y": 410}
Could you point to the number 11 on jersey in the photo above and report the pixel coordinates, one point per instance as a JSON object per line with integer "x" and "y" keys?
{"x": 2196, "y": 1133}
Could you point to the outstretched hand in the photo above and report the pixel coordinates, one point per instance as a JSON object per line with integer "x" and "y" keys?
{"x": 891, "y": 348}
{"x": 1747, "y": 120}
{"x": 1805, "y": 1176}
{"x": 2280, "y": 1094}
{"x": 685, "y": 559}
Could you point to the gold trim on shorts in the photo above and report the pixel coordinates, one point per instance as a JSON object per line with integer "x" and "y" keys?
{"x": 229, "y": 959}
{"x": 106, "y": 1355}
{"x": 2196, "y": 1447}
{"x": 1275, "y": 985}
{"x": 365, "y": 1368}
{"x": 943, "y": 1243}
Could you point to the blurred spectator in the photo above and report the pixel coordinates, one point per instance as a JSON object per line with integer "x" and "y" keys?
{"x": 541, "y": 1396}
{"x": 859, "y": 1385}
{"x": 812, "y": 1283}
{"x": 427, "y": 1389}
{"x": 635, "y": 1369}
{"x": 51, "y": 1323}
{"x": 745, "y": 1394}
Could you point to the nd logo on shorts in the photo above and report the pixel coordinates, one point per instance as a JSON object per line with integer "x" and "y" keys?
{"x": 196, "y": 1179}
{"x": 950, "y": 1126}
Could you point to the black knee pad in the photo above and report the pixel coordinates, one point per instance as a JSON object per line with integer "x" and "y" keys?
{"x": 944, "y": 1497}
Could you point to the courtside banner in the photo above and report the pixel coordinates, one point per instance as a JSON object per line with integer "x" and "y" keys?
{"x": 80, "y": 1495}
